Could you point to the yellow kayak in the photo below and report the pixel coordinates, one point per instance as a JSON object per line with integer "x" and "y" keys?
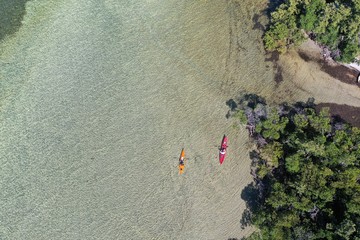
{"x": 182, "y": 162}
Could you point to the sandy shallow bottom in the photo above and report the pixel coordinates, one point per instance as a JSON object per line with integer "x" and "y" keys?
{"x": 318, "y": 80}
{"x": 98, "y": 98}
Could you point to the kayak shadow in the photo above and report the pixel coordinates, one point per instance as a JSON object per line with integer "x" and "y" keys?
{"x": 11, "y": 15}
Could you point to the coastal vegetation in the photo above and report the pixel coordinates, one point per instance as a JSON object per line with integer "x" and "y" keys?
{"x": 306, "y": 169}
{"x": 333, "y": 24}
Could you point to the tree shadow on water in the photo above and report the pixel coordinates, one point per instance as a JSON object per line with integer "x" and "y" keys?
{"x": 251, "y": 100}
{"x": 11, "y": 14}
{"x": 273, "y": 5}
{"x": 250, "y": 194}
{"x": 232, "y": 104}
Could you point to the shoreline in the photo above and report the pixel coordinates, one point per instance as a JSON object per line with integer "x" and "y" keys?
{"x": 332, "y": 84}
{"x": 346, "y": 73}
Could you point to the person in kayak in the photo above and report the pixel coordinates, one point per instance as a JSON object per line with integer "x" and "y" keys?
{"x": 181, "y": 166}
{"x": 222, "y": 150}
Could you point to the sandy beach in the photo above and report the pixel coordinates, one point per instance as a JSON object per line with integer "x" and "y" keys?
{"x": 99, "y": 97}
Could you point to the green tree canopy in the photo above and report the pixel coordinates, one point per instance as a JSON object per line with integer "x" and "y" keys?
{"x": 334, "y": 23}
{"x": 306, "y": 172}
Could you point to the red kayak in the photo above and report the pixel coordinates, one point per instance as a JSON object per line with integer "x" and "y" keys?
{"x": 222, "y": 150}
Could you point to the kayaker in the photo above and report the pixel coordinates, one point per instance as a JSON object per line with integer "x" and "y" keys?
{"x": 223, "y": 150}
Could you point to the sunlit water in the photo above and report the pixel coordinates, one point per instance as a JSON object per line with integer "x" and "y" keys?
{"x": 99, "y": 97}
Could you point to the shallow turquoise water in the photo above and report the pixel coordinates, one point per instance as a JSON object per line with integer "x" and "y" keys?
{"x": 99, "y": 97}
